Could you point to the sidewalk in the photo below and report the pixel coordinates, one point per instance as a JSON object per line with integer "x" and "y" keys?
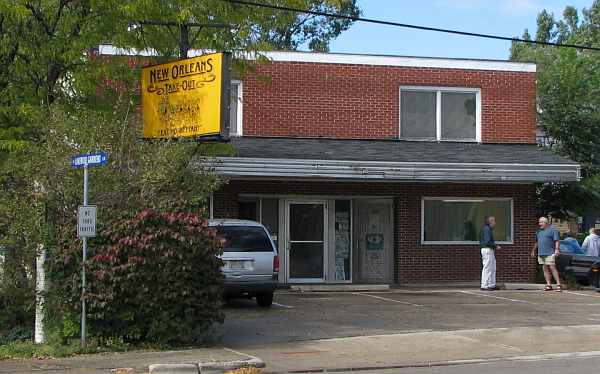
{"x": 380, "y": 351}
{"x": 426, "y": 348}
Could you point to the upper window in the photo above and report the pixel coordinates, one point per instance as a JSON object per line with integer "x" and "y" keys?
{"x": 235, "y": 109}
{"x": 428, "y": 113}
{"x": 458, "y": 220}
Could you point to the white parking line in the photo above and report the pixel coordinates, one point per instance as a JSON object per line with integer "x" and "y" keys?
{"x": 283, "y": 306}
{"x": 386, "y": 299}
{"x": 498, "y": 297}
{"x": 582, "y": 294}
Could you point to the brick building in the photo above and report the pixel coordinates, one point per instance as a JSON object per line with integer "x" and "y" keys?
{"x": 381, "y": 169}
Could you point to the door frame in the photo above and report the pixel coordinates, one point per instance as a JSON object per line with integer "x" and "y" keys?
{"x": 325, "y": 240}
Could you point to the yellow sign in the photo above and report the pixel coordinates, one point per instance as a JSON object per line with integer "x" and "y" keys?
{"x": 187, "y": 97}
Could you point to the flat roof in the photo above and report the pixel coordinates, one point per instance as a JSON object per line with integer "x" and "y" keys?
{"x": 356, "y": 59}
{"x": 393, "y": 150}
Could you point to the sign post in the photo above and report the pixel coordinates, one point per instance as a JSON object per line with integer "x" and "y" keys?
{"x": 86, "y": 222}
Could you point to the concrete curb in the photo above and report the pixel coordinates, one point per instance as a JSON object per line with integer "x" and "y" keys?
{"x": 173, "y": 369}
{"x": 340, "y": 287}
{"x": 550, "y": 356}
{"x": 203, "y": 367}
{"x": 523, "y": 286}
{"x": 231, "y": 365}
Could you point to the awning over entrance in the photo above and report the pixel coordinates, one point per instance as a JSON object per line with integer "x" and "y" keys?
{"x": 393, "y": 160}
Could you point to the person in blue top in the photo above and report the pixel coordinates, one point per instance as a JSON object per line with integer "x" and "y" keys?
{"x": 572, "y": 244}
{"x": 488, "y": 248}
{"x": 547, "y": 246}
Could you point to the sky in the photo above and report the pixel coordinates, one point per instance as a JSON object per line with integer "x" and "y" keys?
{"x": 499, "y": 17}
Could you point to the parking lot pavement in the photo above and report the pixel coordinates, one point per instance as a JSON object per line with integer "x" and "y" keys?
{"x": 299, "y": 316}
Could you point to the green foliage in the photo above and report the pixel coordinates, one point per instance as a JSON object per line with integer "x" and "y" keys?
{"x": 59, "y": 99}
{"x": 22, "y": 349}
{"x": 242, "y": 27}
{"x": 569, "y": 103}
{"x": 154, "y": 278}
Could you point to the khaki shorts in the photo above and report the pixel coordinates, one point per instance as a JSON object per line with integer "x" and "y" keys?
{"x": 546, "y": 260}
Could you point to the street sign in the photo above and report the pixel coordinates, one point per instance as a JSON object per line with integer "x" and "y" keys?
{"x": 92, "y": 159}
{"x": 86, "y": 221}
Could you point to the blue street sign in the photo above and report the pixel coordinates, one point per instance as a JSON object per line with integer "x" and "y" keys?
{"x": 92, "y": 159}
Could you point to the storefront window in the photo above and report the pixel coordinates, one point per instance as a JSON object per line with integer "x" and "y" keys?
{"x": 448, "y": 220}
{"x": 270, "y": 216}
{"x": 263, "y": 210}
{"x": 249, "y": 209}
{"x": 343, "y": 240}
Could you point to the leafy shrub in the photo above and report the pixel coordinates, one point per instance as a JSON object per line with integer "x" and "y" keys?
{"x": 17, "y": 296}
{"x": 156, "y": 279}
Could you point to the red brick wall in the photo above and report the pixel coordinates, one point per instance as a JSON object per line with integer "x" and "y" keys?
{"x": 361, "y": 102}
{"x": 414, "y": 262}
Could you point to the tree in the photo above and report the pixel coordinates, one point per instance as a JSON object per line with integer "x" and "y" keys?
{"x": 221, "y": 25}
{"x": 568, "y": 102}
{"x": 59, "y": 99}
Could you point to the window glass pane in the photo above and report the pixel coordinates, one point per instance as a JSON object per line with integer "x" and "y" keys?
{"x": 244, "y": 239}
{"x": 248, "y": 209}
{"x": 458, "y": 116}
{"x": 270, "y": 217}
{"x": 460, "y": 220}
{"x": 342, "y": 240}
{"x": 306, "y": 222}
{"x": 233, "y": 109}
{"x": 417, "y": 111}
{"x": 306, "y": 260}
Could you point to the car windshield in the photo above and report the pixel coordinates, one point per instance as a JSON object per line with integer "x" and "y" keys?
{"x": 244, "y": 239}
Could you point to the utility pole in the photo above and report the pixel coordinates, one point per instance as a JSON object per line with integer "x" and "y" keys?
{"x": 184, "y": 29}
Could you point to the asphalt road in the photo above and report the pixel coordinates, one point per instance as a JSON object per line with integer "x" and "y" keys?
{"x": 560, "y": 366}
{"x": 307, "y": 316}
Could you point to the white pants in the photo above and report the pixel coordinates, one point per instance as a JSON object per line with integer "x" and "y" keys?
{"x": 488, "y": 273}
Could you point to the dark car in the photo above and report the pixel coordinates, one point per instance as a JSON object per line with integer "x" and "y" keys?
{"x": 572, "y": 260}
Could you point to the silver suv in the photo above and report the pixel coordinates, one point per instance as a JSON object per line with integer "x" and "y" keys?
{"x": 251, "y": 264}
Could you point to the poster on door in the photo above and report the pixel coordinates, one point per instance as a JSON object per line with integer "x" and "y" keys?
{"x": 374, "y": 238}
{"x": 342, "y": 245}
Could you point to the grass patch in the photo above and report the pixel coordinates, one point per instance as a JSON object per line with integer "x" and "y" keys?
{"x": 27, "y": 350}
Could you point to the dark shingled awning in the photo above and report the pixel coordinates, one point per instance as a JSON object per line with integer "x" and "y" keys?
{"x": 393, "y": 160}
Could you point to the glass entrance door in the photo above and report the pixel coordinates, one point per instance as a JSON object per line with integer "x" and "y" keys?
{"x": 306, "y": 241}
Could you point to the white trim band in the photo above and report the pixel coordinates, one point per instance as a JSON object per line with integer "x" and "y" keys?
{"x": 356, "y": 59}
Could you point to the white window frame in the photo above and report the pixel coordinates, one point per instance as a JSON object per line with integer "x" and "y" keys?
{"x": 240, "y": 99}
{"x": 467, "y": 199}
{"x": 438, "y": 112}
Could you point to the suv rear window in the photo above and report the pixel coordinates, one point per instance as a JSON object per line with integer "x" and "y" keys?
{"x": 244, "y": 239}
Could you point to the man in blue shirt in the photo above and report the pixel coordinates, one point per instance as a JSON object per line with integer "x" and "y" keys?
{"x": 488, "y": 257}
{"x": 548, "y": 247}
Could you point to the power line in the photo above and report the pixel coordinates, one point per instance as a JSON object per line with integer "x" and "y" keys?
{"x": 405, "y": 25}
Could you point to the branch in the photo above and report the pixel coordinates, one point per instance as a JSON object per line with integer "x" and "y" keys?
{"x": 39, "y": 17}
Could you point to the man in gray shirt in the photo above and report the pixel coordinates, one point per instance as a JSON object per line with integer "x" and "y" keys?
{"x": 548, "y": 248}
{"x": 591, "y": 244}
{"x": 488, "y": 257}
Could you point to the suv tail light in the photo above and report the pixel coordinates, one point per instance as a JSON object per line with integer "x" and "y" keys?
{"x": 276, "y": 264}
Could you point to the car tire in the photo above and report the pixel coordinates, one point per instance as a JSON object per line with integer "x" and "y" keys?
{"x": 264, "y": 299}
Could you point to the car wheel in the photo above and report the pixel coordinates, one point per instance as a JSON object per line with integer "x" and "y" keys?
{"x": 264, "y": 299}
